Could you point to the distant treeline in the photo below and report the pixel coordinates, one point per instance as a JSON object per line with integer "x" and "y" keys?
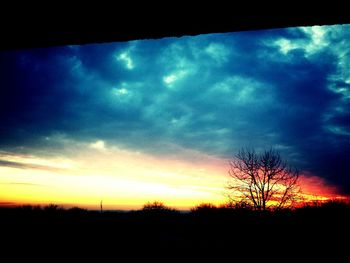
{"x": 158, "y": 228}
{"x": 158, "y": 206}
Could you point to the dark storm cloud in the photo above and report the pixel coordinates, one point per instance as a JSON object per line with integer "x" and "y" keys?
{"x": 33, "y": 95}
{"x": 284, "y": 88}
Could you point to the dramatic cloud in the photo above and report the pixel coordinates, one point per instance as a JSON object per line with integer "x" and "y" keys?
{"x": 286, "y": 88}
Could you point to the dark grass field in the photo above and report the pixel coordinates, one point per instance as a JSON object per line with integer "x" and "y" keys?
{"x": 32, "y": 231}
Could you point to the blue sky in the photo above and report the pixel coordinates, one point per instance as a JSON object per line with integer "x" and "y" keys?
{"x": 282, "y": 88}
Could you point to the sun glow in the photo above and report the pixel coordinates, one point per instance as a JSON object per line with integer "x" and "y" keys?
{"x": 122, "y": 179}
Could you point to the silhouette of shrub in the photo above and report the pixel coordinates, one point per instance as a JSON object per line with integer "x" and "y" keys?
{"x": 228, "y": 205}
{"x": 333, "y": 204}
{"x": 53, "y": 208}
{"x": 157, "y": 207}
{"x": 204, "y": 207}
{"x": 241, "y": 205}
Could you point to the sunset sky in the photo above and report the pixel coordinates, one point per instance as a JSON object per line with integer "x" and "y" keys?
{"x": 148, "y": 120}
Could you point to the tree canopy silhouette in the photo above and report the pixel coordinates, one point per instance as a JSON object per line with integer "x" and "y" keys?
{"x": 157, "y": 207}
{"x": 263, "y": 180}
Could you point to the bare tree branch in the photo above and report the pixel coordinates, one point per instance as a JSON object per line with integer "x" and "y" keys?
{"x": 263, "y": 180}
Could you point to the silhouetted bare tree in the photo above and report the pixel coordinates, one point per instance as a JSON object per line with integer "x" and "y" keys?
{"x": 263, "y": 180}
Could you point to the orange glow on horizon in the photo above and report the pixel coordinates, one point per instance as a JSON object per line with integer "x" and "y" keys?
{"x": 125, "y": 179}
{"x": 315, "y": 188}
{"x": 122, "y": 179}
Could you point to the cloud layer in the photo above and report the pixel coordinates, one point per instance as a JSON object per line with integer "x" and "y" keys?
{"x": 287, "y": 88}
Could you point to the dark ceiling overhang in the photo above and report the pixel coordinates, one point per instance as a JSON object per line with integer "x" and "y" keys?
{"x": 45, "y": 31}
